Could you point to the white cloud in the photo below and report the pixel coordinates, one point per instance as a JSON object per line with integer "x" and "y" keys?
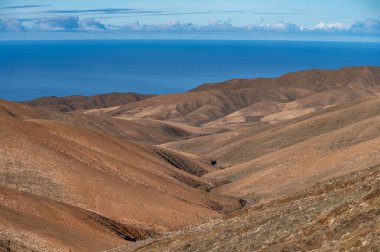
{"x": 332, "y": 26}
{"x": 369, "y": 27}
{"x": 274, "y": 27}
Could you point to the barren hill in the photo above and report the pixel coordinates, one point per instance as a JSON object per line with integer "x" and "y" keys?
{"x": 132, "y": 184}
{"x": 78, "y": 102}
{"x": 253, "y": 99}
{"x": 147, "y": 131}
{"x": 341, "y": 214}
{"x": 266, "y": 161}
{"x": 289, "y": 163}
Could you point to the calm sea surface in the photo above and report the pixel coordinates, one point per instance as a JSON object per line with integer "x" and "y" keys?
{"x": 46, "y": 68}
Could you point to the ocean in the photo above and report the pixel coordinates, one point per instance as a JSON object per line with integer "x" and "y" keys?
{"x": 31, "y": 69}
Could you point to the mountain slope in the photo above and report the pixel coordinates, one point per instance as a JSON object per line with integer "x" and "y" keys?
{"x": 31, "y": 222}
{"x": 147, "y": 131}
{"x": 273, "y": 160}
{"x": 338, "y": 215}
{"x": 303, "y": 146}
{"x": 242, "y": 145}
{"x": 78, "y": 102}
{"x": 214, "y": 101}
{"x": 128, "y": 183}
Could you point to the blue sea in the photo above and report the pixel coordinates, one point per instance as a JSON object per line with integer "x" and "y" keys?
{"x": 30, "y": 69}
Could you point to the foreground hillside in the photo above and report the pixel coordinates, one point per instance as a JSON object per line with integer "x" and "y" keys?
{"x": 93, "y": 183}
{"x": 341, "y": 214}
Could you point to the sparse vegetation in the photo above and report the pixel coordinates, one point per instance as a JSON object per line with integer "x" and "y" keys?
{"x": 252, "y": 187}
{"x": 338, "y": 215}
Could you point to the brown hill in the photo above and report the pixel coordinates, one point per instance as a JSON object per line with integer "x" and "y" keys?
{"x": 147, "y": 131}
{"x": 339, "y": 215}
{"x": 266, "y": 161}
{"x": 94, "y": 175}
{"x": 314, "y": 80}
{"x": 132, "y": 184}
{"x": 307, "y": 89}
{"x": 32, "y": 223}
{"x": 78, "y": 102}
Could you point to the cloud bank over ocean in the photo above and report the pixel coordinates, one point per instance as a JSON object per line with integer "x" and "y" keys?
{"x": 369, "y": 27}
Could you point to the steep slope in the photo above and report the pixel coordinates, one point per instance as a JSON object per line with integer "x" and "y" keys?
{"x": 313, "y": 89}
{"x": 78, "y": 102}
{"x": 339, "y": 215}
{"x": 241, "y": 145}
{"x": 29, "y": 222}
{"x": 275, "y": 112}
{"x": 125, "y": 182}
{"x": 147, "y": 131}
{"x": 275, "y": 160}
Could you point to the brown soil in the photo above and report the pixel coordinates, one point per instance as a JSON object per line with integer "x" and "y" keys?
{"x": 283, "y": 164}
{"x": 338, "y": 215}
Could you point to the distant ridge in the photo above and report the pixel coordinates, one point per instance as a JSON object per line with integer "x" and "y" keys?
{"x": 79, "y": 102}
{"x": 252, "y": 99}
{"x": 312, "y": 79}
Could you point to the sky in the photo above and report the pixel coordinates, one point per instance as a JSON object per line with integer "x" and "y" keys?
{"x": 347, "y": 19}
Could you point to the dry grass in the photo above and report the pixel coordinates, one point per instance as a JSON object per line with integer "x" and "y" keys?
{"x": 338, "y": 215}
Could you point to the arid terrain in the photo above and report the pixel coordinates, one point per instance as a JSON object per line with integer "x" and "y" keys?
{"x": 338, "y": 215}
{"x": 283, "y": 164}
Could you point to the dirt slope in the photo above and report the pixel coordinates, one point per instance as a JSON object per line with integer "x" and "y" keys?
{"x": 129, "y": 183}
{"x": 78, "y": 102}
{"x": 95, "y": 174}
{"x": 31, "y": 222}
{"x": 339, "y": 215}
{"x": 242, "y": 145}
{"x": 147, "y": 131}
{"x": 215, "y": 101}
{"x": 273, "y": 160}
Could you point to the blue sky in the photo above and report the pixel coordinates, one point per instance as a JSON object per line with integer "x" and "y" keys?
{"x": 308, "y": 18}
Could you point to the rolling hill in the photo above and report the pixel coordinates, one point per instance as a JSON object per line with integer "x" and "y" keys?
{"x": 78, "y": 102}
{"x": 247, "y": 100}
{"x": 133, "y": 184}
{"x": 288, "y": 163}
{"x": 272, "y": 160}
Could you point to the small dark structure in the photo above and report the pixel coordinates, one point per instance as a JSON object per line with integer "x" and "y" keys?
{"x": 213, "y": 162}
